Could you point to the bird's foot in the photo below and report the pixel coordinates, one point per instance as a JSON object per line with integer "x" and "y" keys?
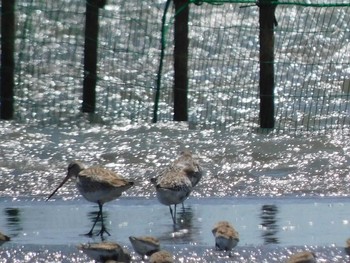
{"x": 102, "y": 231}
{"x": 89, "y": 234}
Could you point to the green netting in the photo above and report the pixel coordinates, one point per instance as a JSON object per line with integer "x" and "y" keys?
{"x": 312, "y": 63}
{"x": 313, "y": 3}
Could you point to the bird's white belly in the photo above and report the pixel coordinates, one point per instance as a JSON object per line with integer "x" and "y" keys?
{"x": 169, "y": 197}
{"x": 99, "y": 195}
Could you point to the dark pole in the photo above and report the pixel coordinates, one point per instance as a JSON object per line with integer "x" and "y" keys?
{"x": 267, "y": 22}
{"x": 90, "y": 55}
{"x": 181, "y": 59}
{"x": 7, "y": 58}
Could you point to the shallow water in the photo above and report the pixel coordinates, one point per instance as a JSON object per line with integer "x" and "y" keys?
{"x": 279, "y": 221}
{"x": 283, "y": 193}
{"x": 270, "y": 228}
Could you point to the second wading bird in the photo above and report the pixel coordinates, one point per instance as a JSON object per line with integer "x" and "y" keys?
{"x": 189, "y": 164}
{"x": 174, "y": 183}
{"x": 172, "y": 188}
{"x": 97, "y": 185}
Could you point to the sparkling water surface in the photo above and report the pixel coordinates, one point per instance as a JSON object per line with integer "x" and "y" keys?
{"x": 283, "y": 193}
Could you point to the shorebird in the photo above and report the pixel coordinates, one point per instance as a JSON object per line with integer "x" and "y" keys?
{"x": 3, "y": 238}
{"x": 347, "y": 247}
{"x": 226, "y": 237}
{"x": 161, "y": 257}
{"x": 97, "y": 185}
{"x": 187, "y": 163}
{"x": 173, "y": 187}
{"x": 105, "y": 251}
{"x": 302, "y": 257}
{"x": 145, "y": 245}
{"x": 190, "y": 165}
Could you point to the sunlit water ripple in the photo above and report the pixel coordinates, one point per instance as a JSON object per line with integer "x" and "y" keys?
{"x": 235, "y": 164}
{"x": 238, "y": 165}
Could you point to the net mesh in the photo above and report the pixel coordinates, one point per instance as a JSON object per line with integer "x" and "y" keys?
{"x": 312, "y": 63}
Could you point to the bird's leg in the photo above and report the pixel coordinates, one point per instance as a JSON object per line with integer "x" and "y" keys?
{"x": 97, "y": 217}
{"x": 103, "y": 228}
{"x": 183, "y": 206}
{"x": 172, "y": 215}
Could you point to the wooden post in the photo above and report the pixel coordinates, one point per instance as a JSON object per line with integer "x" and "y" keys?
{"x": 90, "y": 55}
{"x": 7, "y": 59}
{"x": 267, "y": 22}
{"x": 181, "y": 60}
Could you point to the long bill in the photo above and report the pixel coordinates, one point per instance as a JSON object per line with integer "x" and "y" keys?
{"x": 61, "y": 184}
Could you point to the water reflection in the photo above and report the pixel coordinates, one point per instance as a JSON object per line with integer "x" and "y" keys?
{"x": 269, "y": 224}
{"x": 13, "y": 218}
{"x": 184, "y": 231}
{"x": 184, "y": 217}
{"x": 92, "y": 217}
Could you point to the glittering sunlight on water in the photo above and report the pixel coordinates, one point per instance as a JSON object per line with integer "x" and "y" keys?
{"x": 258, "y": 181}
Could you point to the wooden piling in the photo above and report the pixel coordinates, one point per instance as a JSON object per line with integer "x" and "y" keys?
{"x": 90, "y": 55}
{"x": 267, "y": 22}
{"x": 181, "y": 42}
{"x": 7, "y": 59}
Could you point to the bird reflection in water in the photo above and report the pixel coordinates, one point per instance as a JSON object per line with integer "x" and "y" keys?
{"x": 183, "y": 230}
{"x": 92, "y": 217}
{"x": 269, "y": 224}
{"x": 185, "y": 217}
{"x": 13, "y": 217}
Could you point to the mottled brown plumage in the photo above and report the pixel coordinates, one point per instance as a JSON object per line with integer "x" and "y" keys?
{"x": 172, "y": 188}
{"x": 226, "y": 237}
{"x": 302, "y": 257}
{"x": 187, "y": 163}
{"x": 175, "y": 183}
{"x": 104, "y": 251}
{"x": 161, "y": 257}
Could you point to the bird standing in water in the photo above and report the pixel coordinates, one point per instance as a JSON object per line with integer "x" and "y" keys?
{"x": 97, "y": 185}
{"x": 172, "y": 188}
{"x": 175, "y": 183}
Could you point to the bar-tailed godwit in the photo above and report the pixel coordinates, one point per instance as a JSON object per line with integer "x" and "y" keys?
{"x": 172, "y": 188}
{"x": 302, "y": 257}
{"x": 104, "y": 251}
{"x": 226, "y": 237}
{"x": 97, "y": 185}
{"x": 145, "y": 245}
